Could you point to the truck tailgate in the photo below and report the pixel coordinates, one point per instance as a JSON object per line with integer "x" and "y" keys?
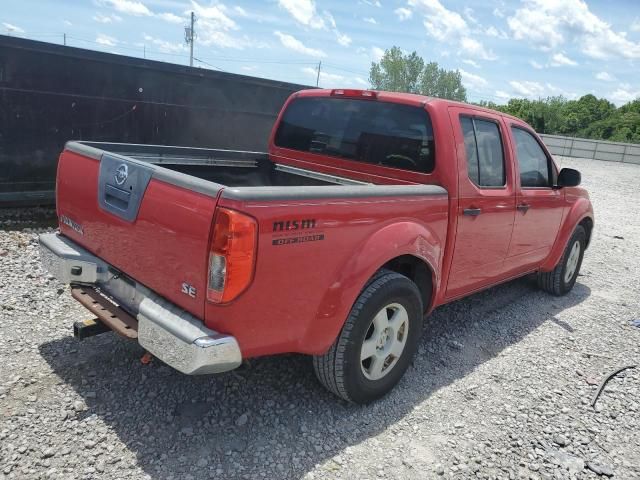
{"x": 151, "y": 224}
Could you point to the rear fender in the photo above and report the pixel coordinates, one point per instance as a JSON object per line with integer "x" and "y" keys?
{"x": 397, "y": 239}
{"x": 579, "y": 210}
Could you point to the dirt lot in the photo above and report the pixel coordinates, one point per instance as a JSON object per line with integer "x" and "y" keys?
{"x": 500, "y": 387}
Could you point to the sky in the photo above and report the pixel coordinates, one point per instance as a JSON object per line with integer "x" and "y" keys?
{"x": 502, "y": 48}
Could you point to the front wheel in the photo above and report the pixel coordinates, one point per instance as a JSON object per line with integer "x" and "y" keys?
{"x": 561, "y": 279}
{"x": 377, "y": 342}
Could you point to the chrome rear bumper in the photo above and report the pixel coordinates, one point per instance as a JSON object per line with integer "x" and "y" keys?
{"x": 165, "y": 330}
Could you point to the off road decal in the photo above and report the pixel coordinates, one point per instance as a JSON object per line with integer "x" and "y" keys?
{"x": 297, "y": 239}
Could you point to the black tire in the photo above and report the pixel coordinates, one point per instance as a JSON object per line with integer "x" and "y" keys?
{"x": 340, "y": 370}
{"x": 555, "y": 281}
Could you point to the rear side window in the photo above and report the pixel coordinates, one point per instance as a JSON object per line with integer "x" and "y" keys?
{"x": 485, "y": 158}
{"x": 368, "y": 131}
{"x": 533, "y": 163}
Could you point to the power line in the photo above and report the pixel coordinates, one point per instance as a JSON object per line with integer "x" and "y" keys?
{"x": 206, "y": 63}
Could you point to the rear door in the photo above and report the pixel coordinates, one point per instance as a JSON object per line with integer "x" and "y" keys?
{"x": 486, "y": 203}
{"x": 150, "y": 223}
{"x": 539, "y": 205}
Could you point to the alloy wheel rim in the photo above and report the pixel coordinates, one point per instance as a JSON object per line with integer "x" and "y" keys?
{"x": 384, "y": 341}
{"x": 572, "y": 262}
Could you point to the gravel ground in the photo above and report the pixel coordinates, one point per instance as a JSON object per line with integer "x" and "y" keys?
{"x": 500, "y": 387}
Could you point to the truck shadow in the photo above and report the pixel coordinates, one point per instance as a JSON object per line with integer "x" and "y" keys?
{"x": 272, "y": 415}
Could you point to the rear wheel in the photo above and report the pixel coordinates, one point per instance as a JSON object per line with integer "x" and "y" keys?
{"x": 377, "y": 342}
{"x": 561, "y": 279}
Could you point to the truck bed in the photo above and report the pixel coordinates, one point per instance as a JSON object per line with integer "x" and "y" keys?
{"x": 225, "y": 167}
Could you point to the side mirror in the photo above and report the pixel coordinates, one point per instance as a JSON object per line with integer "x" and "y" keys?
{"x": 568, "y": 177}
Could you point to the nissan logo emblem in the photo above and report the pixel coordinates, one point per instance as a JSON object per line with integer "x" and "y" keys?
{"x": 121, "y": 174}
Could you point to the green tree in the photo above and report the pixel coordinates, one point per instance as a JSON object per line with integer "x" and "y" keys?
{"x": 587, "y": 117}
{"x": 397, "y": 72}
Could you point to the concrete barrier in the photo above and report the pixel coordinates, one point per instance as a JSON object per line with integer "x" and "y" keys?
{"x": 594, "y": 149}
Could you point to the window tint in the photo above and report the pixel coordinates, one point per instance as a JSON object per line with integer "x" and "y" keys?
{"x": 483, "y": 145}
{"x": 388, "y": 134}
{"x": 533, "y": 163}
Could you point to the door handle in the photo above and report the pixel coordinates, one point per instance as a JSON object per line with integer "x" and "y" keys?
{"x": 523, "y": 207}
{"x": 472, "y": 212}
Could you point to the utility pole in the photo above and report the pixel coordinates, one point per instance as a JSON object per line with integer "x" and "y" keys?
{"x": 189, "y": 35}
{"x": 318, "y": 77}
{"x": 64, "y": 39}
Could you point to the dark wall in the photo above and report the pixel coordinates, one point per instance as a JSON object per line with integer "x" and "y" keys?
{"x": 50, "y": 94}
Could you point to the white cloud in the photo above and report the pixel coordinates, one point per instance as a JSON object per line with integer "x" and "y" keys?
{"x": 129, "y": 7}
{"x": 292, "y": 43}
{"x": 635, "y": 25}
{"x": 106, "y": 40}
{"x": 215, "y": 28}
{"x": 498, "y": 13}
{"x": 468, "y": 13}
{"x": 527, "y": 88}
{"x": 549, "y": 24}
{"x": 371, "y": 3}
{"x": 370, "y": 20}
{"x": 441, "y": 23}
{"x": 343, "y": 39}
{"x": 303, "y": 11}
{"x": 472, "y": 80}
{"x": 605, "y": 77}
{"x": 67, "y": 23}
{"x": 376, "y": 53}
{"x": 361, "y": 81}
{"x": 449, "y": 27}
{"x": 240, "y": 11}
{"x": 12, "y": 28}
{"x": 213, "y": 16}
{"x": 326, "y": 79}
{"x": 492, "y": 31}
{"x": 502, "y": 95}
{"x": 472, "y": 47}
{"x": 624, "y": 94}
{"x": 165, "y": 46}
{"x": 403, "y": 13}
{"x": 171, "y": 18}
{"x": 100, "y": 18}
{"x": 536, "y": 65}
{"x": 560, "y": 60}
{"x": 473, "y": 63}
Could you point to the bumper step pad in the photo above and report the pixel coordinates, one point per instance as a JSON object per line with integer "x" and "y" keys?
{"x": 108, "y": 313}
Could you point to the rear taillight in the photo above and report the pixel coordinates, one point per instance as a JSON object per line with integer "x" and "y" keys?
{"x": 232, "y": 255}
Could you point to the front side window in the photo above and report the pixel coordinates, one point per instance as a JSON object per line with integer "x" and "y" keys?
{"x": 483, "y": 146}
{"x": 368, "y": 131}
{"x": 533, "y": 163}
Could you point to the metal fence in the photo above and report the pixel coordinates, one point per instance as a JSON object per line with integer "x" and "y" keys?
{"x": 593, "y": 149}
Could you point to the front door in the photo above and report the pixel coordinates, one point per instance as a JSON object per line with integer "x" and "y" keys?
{"x": 486, "y": 202}
{"x": 539, "y": 205}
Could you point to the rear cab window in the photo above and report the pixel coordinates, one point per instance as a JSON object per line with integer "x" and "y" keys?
{"x": 368, "y": 131}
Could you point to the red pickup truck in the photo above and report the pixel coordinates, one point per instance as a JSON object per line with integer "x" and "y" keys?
{"x": 369, "y": 210}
